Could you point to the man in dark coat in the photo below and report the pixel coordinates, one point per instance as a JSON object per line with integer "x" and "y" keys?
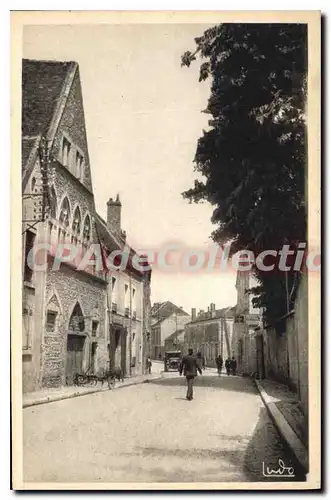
{"x": 233, "y": 365}
{"x": 228, "y": 366}
{"x": 219, "y": 364}
{"x": 191, "y": 368}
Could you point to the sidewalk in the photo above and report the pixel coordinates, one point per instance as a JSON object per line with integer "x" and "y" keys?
{"x": 67, "y": 392}
{"x": 285, "y": 410}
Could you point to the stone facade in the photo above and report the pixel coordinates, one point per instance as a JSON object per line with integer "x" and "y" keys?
{"x": 285, "y": 347}
{"x": 247, "y": 319}
{"x": 65, "y": 289}
{"x": 69, "y": 323}
{"x": 210, "y": 333}
{"x": 72, "y": 126}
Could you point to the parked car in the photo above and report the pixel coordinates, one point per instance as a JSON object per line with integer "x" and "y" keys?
{"x": 172, "y": 360}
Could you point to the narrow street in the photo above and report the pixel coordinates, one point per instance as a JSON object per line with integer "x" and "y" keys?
{"x": 150, "y": 433}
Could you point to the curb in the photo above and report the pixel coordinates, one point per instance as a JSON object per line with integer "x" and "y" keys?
{"x": 51, "y": 399}
{"x": 284, "y": 428}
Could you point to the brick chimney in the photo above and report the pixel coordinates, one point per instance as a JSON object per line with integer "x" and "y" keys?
{"x": 114, "y": 209}
{"x": 213, "y": 310}
{"x": 193, "y": 314}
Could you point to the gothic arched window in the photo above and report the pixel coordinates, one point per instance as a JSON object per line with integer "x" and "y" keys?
{"x": 77, "y": 323}
{"x": 87, "y": 228}
{"x": 65, "y": 212}
{"x": 77, "y": 221}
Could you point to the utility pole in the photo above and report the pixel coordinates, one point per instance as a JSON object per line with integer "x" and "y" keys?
{"x": 176, "y": 332}
{"x": 130, "y": 322}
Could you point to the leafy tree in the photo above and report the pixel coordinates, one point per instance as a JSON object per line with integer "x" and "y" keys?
{"x": 252, "y": 157}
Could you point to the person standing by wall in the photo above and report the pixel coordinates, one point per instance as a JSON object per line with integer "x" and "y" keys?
{"x": 228, "y": 366}
{"x": 219, "y": 364}
{"x": 233, "y": 365}
{"x": 191, "y": 367}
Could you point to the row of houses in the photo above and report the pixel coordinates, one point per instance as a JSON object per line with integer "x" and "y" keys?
{"x": 228, "y": 332}
{"x": 209, "y": 332}
{"x": 73, "y": 320}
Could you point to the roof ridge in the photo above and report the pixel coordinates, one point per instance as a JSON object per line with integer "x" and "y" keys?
{"x": 50, "y": 61}
{"x": 62, "y": 100}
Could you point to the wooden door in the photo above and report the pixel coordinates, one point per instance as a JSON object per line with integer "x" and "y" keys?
{"x": 75, "y": 346}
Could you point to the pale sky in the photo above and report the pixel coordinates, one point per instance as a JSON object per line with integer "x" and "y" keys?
{"x": 143, "y": 119}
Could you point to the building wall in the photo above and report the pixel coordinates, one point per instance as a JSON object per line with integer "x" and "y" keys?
{"x": 44, "y": 359}
{"x": 247, "y": 318}
{"x": 147, "y": 331}
{"x": 301, "y": 325}
{"x": 156, "y": 347}
{"x": 286, "y": 348}
{"x": 203, "y": 337}
{"x": 127, "y": 293}
{"x": 72, "y": 123}
{"x": 66, "y": 288}
{"x": 33, "y": 295}
{"x": 175, "y": 343}
{"x": 161, "y": 331}
{"x": 171, "y": 324}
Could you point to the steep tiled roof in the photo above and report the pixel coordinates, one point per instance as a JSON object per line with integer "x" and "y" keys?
{"x": 106, "y": 237}
{"x": 28, "y": 148}
{"x": 42, "y": 83}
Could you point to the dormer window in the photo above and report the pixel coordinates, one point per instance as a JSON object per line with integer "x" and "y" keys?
{"x": 79, "y": 164}
{"x": 66, "y": 146}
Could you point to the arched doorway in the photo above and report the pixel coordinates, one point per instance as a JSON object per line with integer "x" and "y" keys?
{"x": 75, "y": 344}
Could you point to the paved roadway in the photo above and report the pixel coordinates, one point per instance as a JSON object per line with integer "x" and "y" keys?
{"x": 150, "y": 433}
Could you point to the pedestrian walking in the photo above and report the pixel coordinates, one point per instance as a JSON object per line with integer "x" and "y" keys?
{"x": 219, "y": 364}
{"x": 149, "y": 365}
{"x": 191, "y": 367}
{"x": 228, "y": 366}
{"x": 204, "y": 362}
{"x": 233, "y": 365}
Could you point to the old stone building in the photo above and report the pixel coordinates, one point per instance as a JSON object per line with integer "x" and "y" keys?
{"x": 166, "y": 318}
{"x": 65, "y": 309}
{"x": 210, "y": 332}
{"x": 247, "y": 320}
{"x": 128, "y": 298}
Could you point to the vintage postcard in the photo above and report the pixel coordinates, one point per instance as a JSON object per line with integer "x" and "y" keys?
{"x": 166, "y": 250}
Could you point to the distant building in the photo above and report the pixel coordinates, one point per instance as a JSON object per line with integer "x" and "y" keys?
{"x": 210, "y": 332}
{"x": 166, "y": 318}
{"x": 126, "y": 299}
{"x": 247, "y": 320}
{"x": 175, "y": 341}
